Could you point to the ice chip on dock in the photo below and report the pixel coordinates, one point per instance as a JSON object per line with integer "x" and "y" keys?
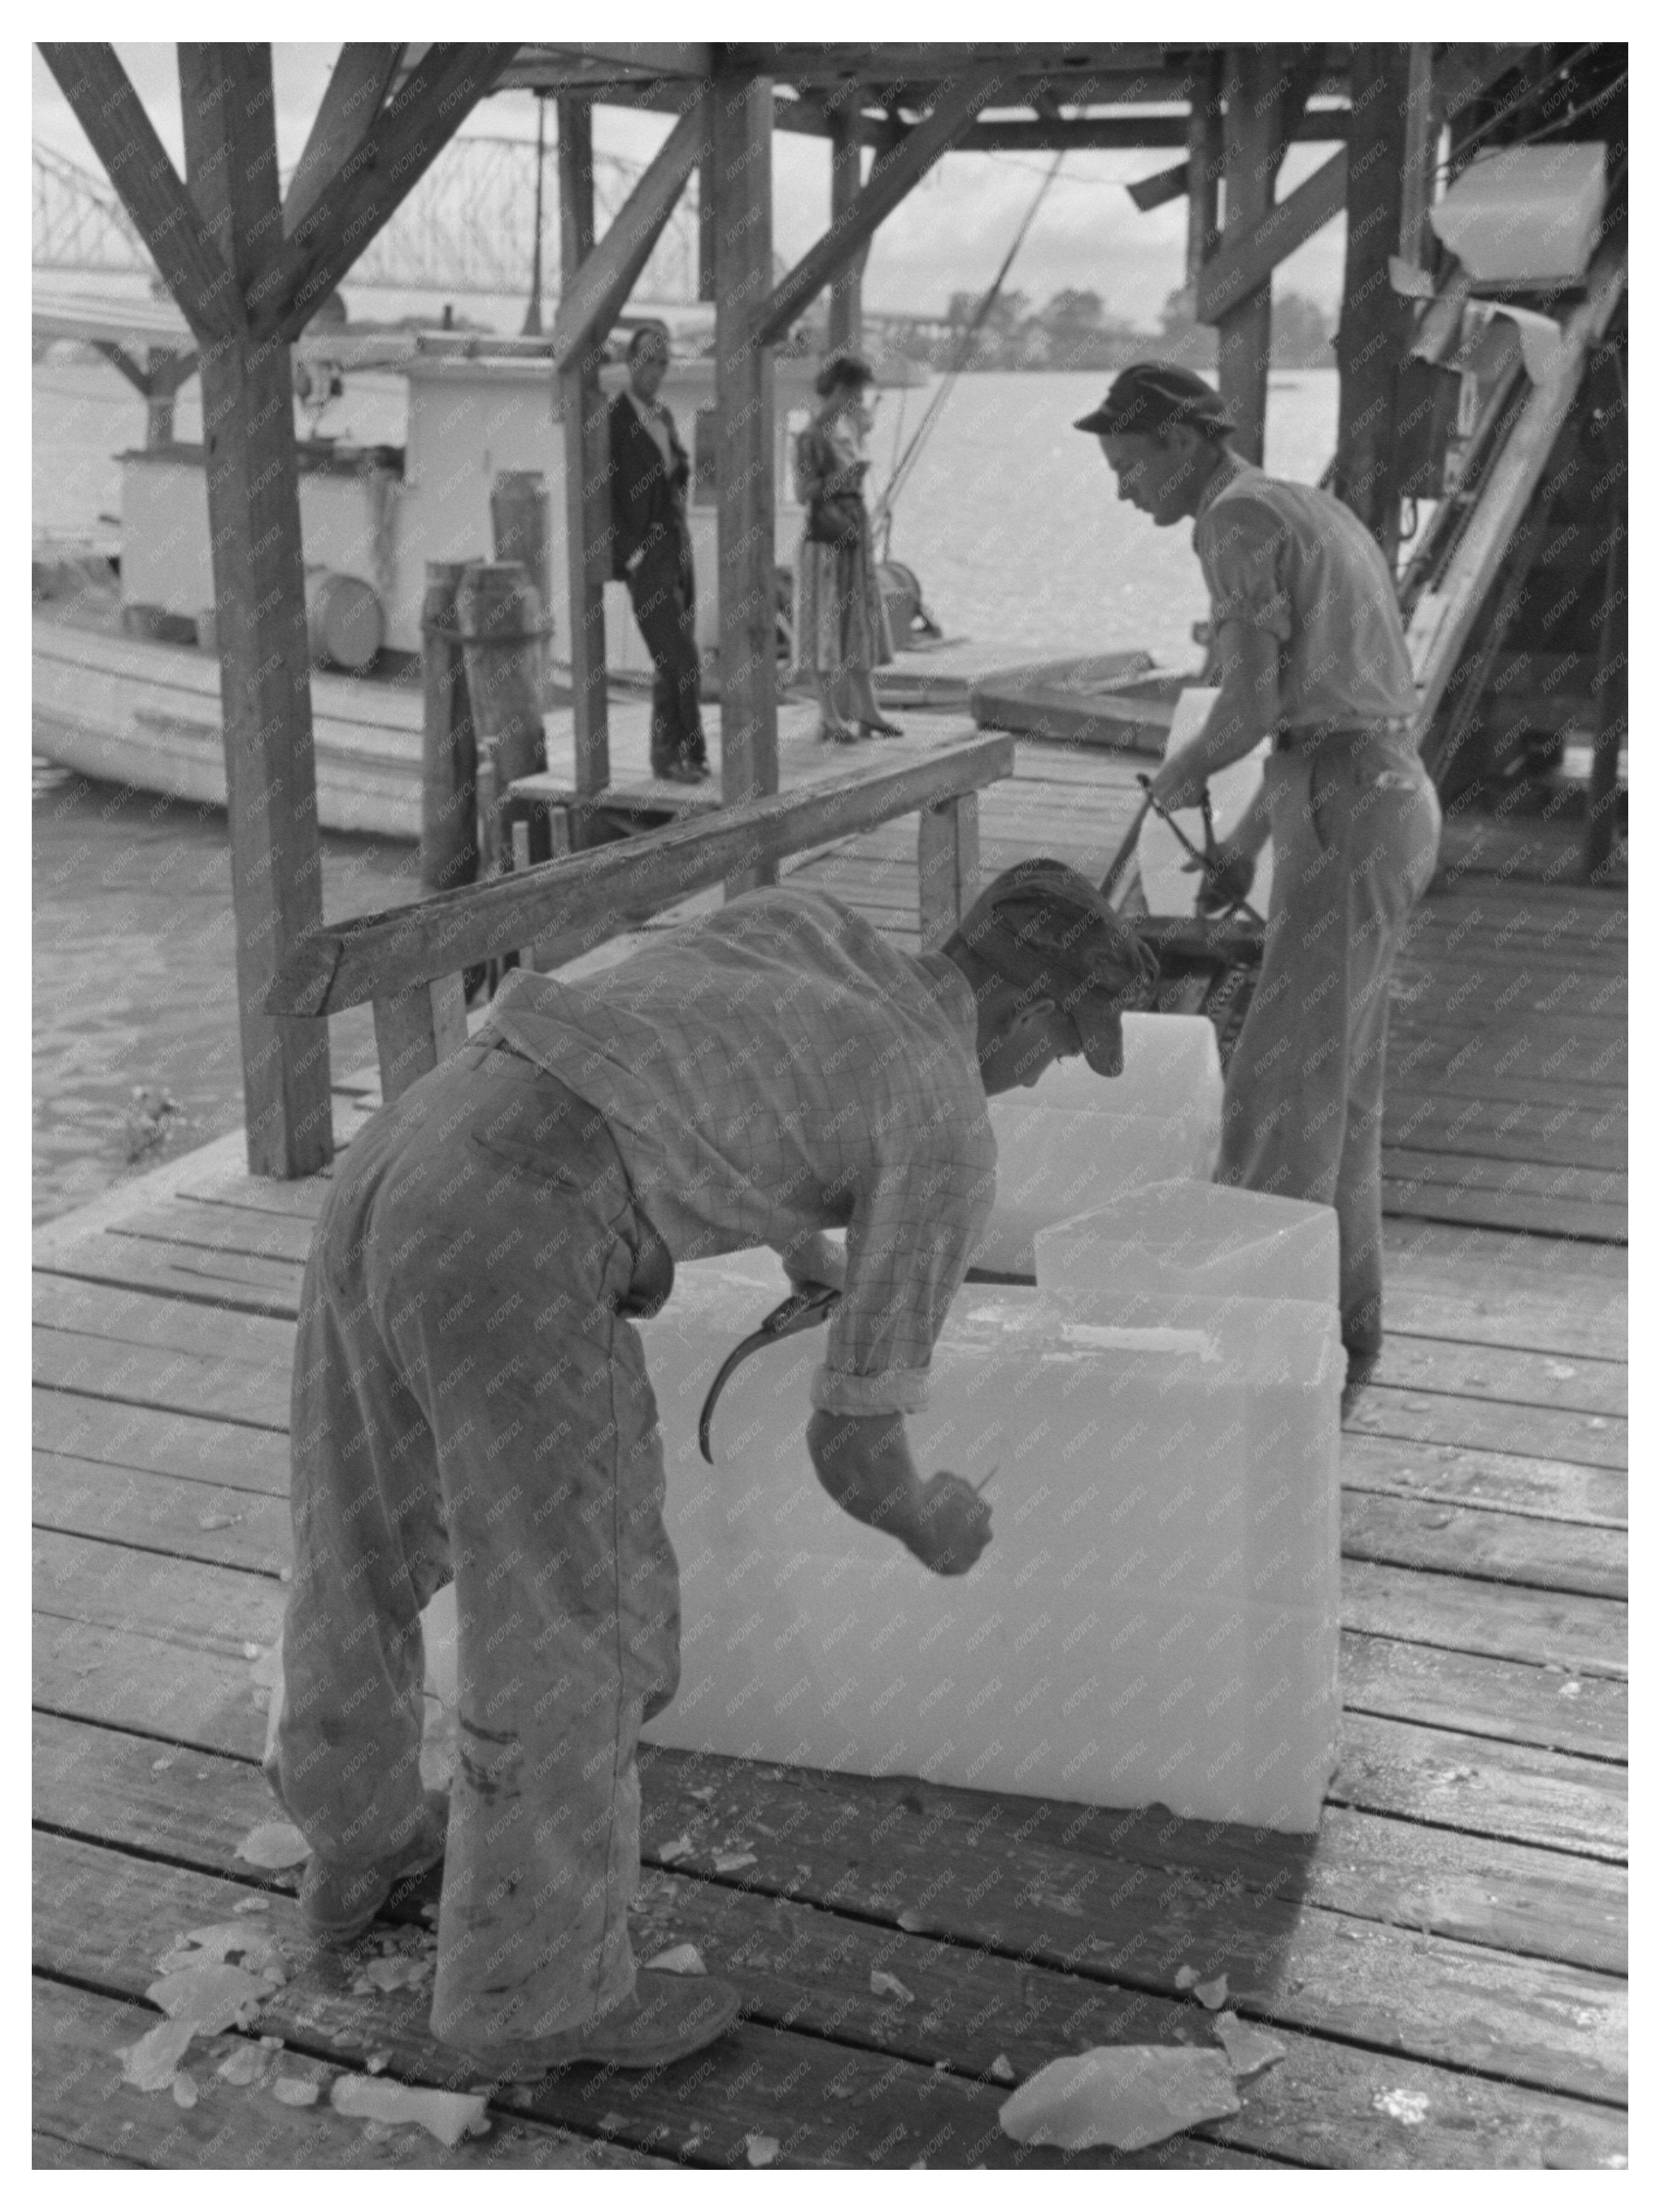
{"x": 1126, "y": 2096}
{"x": 152, "y": 2062}
{"x": 446, "y": 2113}
{"x": 274, "y": 1844}
{"x": 1250, "y": 2050}
{"x": 209, "y": 1997}
{"x": 679, "y": 1958}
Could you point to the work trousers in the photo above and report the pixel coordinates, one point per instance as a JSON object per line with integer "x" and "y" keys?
{"x": 665, "y": 606}
{"x": 470, "y": 1400}
{"x": 1356, "y": 828}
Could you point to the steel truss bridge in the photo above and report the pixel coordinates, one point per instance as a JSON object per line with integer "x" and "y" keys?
{"x": 469, "y": 226}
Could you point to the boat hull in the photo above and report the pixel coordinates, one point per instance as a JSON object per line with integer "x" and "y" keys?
{"x": 147, "y": 715}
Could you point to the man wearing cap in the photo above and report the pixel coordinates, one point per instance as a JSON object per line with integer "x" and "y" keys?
{"x": 470, "y": 1401}
{"x": 1308, "y": 650}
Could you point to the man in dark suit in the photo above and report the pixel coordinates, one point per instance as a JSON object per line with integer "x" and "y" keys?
{"x": 652, "y": 553}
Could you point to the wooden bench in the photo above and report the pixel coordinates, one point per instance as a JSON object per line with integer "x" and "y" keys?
{"x": 408, "y": 962}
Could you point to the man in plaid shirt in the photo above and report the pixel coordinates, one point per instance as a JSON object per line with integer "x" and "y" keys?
{"x": 470, "y": 1401}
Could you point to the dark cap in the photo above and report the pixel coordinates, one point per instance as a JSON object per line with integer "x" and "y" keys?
{"x": 1044, "y": 926}
{"x": 1149, "y": 396}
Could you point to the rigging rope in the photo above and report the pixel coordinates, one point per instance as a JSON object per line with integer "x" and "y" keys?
{"x": 882, "y": 520}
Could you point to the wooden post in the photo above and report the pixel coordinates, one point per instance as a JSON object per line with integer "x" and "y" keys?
{"x": 1611, "y": 688}
{"x": 500, "y": 625}
{"x": 741, "y": 149}
{"x": 847, "y": 317}
{"x": 947, "y": 866}
{"x": 519, "y": 531}
{"x": 1374, "y": 327}
{"x": 1423, "y": 138}
{"x": 253, "y": 517}
{"x": 1205, "y": 164}
{"x": 417, "y": 1029}
{"x": 1252, "y": 147}
{"x": 706, "y": 207}
{"x": 449, "y": 761}
{"x": 586, "y": 437}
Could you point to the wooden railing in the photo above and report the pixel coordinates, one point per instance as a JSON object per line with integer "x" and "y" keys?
{"x": 407, "y": 963}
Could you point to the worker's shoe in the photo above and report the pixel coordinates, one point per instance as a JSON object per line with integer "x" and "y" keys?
{"x": 669, "y": 2017}
{"x": 1363, "y": 1365}
{"x": 337, "y": 1902}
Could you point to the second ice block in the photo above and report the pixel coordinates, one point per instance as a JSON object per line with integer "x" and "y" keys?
{"x": 1201, "y": 1238}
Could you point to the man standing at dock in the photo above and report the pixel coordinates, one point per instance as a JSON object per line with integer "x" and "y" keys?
{"x": 651, "y": 547}
{"x": 469, "y": 1398}
{"x": 1307, "y": 647}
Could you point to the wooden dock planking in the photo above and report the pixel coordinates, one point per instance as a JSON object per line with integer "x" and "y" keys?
{"x": 1456, "y": 1932}
{"x": 1010, "y": 1984}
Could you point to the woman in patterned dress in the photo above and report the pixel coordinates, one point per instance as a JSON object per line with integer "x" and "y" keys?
{"x": 841, "y": 625}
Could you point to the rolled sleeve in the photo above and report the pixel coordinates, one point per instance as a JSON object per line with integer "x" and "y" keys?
{"x": 1242, "y": 548}
{"x": 900, "y": 1390}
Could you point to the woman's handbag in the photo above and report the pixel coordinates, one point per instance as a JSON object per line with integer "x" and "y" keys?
{"x": 835, "y": 517}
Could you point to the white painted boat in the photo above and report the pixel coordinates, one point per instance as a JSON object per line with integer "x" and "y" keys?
{"x": 146, "y": 713}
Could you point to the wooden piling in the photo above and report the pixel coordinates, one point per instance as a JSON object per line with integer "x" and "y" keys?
{"x": 501, "y": 634}
{"x": 847, "y": 318}
{"x": 265, "y": 677}
{"x": 586, "y": 434}
{"x": 1251, "y": 140}
{"x": 519, "y": 531}
{"x": 449, "y": 765}
{"x": 1375, "y": 326}
{"x": 742, "y": 165}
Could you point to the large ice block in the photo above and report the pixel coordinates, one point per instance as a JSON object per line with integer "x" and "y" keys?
{"x": 1052, "y": 1166}
{"x": 1156, "y": 1617}
{"x": 1170, "y": 1070}
{"x": 1076, "y": 1139}
{"x": 1197, "y": 1237}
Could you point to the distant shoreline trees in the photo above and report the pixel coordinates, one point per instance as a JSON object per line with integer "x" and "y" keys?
{"x": 1077, "y": 329}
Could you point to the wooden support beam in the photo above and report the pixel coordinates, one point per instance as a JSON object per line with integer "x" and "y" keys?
{"x": 957, "y": 104}
{"x": 746, "y": 518}
{"x": 345, "y": 116}
{"x": 947, "y": 866}
{"x": 705, "y": 231}
{"x": 259, "y": 596}
{"x": 575, "y": 903}
{"x": 1611, "y": 689}
{"x": 847, "y": 320}
{"x": 1374, "y": 326}
{"x": 584, "y": 432}
{"x": 1249, "y": 255}
{"x": 169, "y": 221}
{"x": 1122, "y": 133}
{"x": 417, "y": 1029}
{"x": 1423, "y": 140}
{"x": 1252, "y": 146}
{"x": 592, "y": 294}
{"x": 1206, "y": 158}
{"x": 1150, "y": 193}
{"x": 159, "y": 380}
{"x": 406, "y": 138}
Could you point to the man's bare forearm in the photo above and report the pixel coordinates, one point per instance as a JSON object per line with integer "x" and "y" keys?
{"x": 1245, "y": 711}
{"x": 864, "y": 1462}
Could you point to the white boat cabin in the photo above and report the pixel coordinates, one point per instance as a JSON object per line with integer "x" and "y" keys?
{"x": 377, "y": 514}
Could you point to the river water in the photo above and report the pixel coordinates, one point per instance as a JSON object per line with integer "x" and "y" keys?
{"x": 1009, "y": 519}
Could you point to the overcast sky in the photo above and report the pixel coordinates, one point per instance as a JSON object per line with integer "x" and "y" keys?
{"x": 949, "y": 235}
